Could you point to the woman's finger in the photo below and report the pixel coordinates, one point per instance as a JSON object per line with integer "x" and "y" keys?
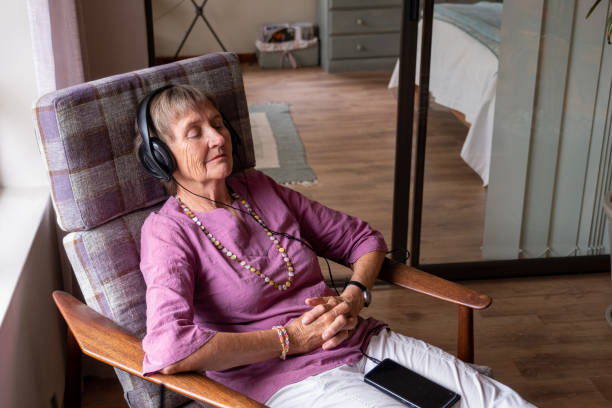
{"x": 342, "y": 308}
{"x": 314, "y": 301}
{"x": 336, "y": 340}
{"x": 314, "y": 313}
{"x": 352, "y": 323}
{"x": 335, "y": 327}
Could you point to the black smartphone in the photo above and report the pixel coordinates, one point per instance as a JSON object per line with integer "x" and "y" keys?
{"x": 409, "y": 387}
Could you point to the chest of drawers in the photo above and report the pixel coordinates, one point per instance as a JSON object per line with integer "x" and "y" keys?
{"x": 359, "y": 34}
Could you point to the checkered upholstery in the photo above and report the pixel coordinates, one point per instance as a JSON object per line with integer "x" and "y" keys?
{"x": 102, "y": 195}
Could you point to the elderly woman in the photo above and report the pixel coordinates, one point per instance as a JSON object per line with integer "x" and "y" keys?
{"x": 233, "y": 281}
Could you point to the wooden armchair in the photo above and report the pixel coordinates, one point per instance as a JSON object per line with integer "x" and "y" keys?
{"x": 101, "y": 196}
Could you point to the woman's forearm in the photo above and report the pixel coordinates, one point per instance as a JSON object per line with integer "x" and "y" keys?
{"x": 366, "y": 269}
{"x": 227, "y": 350}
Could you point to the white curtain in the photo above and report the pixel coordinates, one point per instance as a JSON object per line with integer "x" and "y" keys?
{"x": 55, "y": 43}
{"x": 58, "y": 63}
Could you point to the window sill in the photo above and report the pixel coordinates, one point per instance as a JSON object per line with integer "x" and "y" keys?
{"x": 21, "y": 212}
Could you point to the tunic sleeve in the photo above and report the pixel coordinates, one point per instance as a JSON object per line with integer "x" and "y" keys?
{"x": 167, "y": 264}
{"x": 333, "y": 234}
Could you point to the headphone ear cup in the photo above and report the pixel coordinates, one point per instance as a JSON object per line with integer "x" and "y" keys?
{"x": 149, "y": 163}
{"x": 163, "y": 156}
{"x": 162, "y": 165}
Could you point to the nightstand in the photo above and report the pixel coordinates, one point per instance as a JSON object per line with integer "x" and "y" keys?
{"x": 359, "y": 34}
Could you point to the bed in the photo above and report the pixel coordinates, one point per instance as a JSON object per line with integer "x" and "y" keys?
{"x": 463, "y": 74}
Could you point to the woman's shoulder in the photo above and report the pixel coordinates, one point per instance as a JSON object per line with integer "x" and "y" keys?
{"x": 166, "y": 218}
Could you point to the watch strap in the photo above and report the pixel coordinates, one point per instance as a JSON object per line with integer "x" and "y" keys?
{"x": 358, "y": 284}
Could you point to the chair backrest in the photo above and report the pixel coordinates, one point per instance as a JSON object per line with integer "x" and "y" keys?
{"x": 101, "y": 193}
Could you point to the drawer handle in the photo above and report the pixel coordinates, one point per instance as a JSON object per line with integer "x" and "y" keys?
{"x": 360, "y": 21}
{"x": 359, "y": 47}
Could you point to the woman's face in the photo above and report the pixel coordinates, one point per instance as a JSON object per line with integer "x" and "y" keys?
{"x": 201, "y": 145}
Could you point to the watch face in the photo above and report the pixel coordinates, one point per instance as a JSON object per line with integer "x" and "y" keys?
{"x": 367, "y": 298}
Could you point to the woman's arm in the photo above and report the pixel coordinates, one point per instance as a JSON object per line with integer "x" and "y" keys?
{"x": 227, "y": 350}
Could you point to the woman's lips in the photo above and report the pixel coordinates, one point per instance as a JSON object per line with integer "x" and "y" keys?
{"x": 216, "y": 157}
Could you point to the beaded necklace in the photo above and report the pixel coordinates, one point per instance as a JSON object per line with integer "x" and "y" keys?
{"x": 234, "y": 257}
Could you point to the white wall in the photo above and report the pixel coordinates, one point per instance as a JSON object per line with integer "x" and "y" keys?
{"x": 20, "y": 164}
{"x": 32, "y": 335}
{"x": 237, "y": 23}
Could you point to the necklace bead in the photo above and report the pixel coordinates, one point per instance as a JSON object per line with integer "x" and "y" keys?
{"x": 282, "y": 252}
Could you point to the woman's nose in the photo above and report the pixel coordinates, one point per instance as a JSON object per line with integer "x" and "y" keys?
{"x": 215, "y": 138}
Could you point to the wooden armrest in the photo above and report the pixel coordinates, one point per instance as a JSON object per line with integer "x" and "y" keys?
{"x": 423, "y": 282}
{"x": 104, "y": 340}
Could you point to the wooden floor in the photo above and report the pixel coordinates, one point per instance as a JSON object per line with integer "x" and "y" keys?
{"x": 546, "y": 336}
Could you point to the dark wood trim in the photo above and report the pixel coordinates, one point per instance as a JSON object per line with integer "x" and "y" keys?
{"x": 465, "y": 334}
{"x": 245, "y": 58}
{"x": 405, "y": 121}
{"x": 150, "y": 33}
{"x": 72, "y": 385}
{"x": 419, "y": 165}
{"x": 520, "y": 267}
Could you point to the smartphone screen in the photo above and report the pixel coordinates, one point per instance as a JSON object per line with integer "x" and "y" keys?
{"x": 409, "y": 387}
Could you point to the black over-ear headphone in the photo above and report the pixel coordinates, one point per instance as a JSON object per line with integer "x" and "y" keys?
{"x": 153, "y": 153}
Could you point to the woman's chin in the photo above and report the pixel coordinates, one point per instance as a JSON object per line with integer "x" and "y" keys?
{"x": 220, "y": 171}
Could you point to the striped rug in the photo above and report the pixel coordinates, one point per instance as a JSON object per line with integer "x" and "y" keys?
{"x": 279, "y": 152}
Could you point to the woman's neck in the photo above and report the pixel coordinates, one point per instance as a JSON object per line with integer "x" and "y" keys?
{"x": 213, "y": 190}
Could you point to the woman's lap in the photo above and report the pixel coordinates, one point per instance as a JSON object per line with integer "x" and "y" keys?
{"x": 344, "y": 386}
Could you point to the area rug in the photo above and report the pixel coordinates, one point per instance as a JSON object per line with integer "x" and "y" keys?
{"x": 279, "y": 152}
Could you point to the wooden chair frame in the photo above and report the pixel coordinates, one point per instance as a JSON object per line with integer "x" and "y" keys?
{"x": 99, "y": 337}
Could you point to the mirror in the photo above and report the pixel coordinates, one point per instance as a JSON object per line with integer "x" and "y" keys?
{"x": 518, "y": 137}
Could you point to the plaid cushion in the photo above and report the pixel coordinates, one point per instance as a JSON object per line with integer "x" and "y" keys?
{"x": 86, "y": 135}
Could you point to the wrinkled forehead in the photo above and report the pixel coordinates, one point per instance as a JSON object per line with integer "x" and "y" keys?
{"x": 196, "y": 113}
{"x": 203, "y": 107}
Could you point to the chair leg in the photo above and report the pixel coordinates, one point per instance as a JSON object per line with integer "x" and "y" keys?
{"x": 72, "y": 386}
{"x": 465, "y": 336}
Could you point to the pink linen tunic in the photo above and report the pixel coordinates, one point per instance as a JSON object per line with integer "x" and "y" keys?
{"x": 194, "y": 290}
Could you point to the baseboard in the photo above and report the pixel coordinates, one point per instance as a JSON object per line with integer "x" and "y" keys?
{"x": 246, "y": 58}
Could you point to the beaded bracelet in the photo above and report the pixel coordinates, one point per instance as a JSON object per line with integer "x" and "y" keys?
{"x": 284, "y": 339}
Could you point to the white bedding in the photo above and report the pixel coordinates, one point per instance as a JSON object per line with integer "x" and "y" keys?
{"x": 463, "y": 76}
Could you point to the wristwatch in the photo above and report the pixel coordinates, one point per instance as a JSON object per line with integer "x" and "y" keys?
{"x": 367, "y": 296}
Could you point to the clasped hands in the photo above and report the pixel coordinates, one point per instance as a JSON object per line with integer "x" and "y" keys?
{"x": 331, "y": 320}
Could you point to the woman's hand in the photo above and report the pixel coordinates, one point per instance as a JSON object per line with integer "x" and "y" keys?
{"x": 340, "y": 312}
{"x": 304, "y": 338}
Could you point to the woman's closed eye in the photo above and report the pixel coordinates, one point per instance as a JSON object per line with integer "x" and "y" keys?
{"x": 193, "y": 133}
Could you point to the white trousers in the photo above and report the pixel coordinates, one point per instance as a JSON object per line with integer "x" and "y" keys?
{"x": 344, "y": 386}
